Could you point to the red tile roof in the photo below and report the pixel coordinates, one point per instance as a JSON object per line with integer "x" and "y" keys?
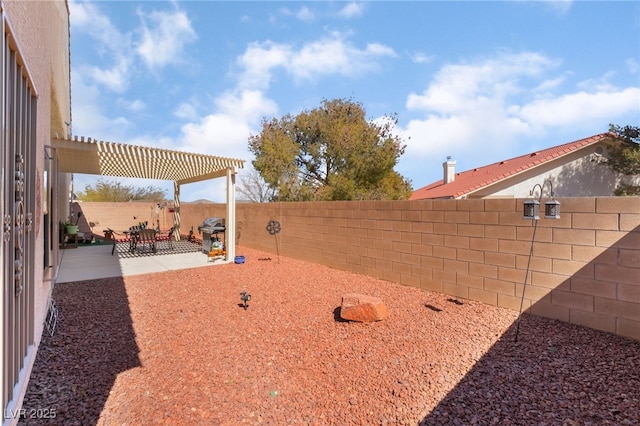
{"x": 480, "y": 177}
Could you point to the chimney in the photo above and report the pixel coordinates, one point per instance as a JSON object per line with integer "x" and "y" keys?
{"x": 449, "y": 170}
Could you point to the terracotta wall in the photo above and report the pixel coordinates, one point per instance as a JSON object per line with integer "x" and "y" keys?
{"x": 97, "y": 217}
{"x": 585, "y": 267}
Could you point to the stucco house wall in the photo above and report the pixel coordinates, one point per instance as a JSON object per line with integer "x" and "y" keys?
{"x": 39, "y": 33}
{"x": 572, "y": 169}
{"x": 583, "y": 173}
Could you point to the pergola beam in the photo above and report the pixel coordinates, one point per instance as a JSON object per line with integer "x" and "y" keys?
{"x": 94, "y": 157}
{"x": 115, "y": 159}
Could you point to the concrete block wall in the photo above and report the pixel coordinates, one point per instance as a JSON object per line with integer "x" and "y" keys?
{"x": 96, "y": 217}
{"x": 584, "y": 268}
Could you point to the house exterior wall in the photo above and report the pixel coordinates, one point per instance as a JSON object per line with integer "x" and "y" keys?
{"x": 39, "y": 33}
{"x": 579, "y": 174}
{"x": 584, "y": 270}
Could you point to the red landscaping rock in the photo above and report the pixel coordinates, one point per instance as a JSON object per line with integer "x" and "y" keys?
{"x": 362, "y": 308}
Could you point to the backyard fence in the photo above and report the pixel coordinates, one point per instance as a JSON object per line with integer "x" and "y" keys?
{"x": 584, "y": 268}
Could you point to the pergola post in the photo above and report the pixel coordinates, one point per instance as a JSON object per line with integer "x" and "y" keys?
{"x": 176, "y": 210}
{"x": 230, "y": 222}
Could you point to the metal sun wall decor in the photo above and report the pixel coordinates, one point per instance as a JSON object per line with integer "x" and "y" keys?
{"x": 274, "y": 228}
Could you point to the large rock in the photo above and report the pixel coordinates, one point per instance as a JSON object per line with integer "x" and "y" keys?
{"x": 363, "y": 308}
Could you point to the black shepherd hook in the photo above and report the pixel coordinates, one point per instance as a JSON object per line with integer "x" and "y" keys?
{"x": 274, "y": 228}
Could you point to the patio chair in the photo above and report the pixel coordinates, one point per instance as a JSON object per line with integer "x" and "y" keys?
{"x": 170, "y": 237}
{"x": 146, "y": 237}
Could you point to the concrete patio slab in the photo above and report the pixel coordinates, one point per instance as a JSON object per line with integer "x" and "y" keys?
{"x": 93, "y": 262}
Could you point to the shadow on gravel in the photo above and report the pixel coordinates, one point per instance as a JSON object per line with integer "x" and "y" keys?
{"x": 93, "y": 342}
{"x": 556, "y": 373}
{"x": 336, "y": 315}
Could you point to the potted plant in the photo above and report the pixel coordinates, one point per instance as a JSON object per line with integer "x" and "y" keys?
{"x": 70, "y": 228}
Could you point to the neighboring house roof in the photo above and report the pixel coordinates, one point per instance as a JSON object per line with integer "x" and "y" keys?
{"x": 475, "y": 179}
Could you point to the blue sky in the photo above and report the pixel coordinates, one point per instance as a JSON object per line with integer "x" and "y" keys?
{"x": 477, "y": 81}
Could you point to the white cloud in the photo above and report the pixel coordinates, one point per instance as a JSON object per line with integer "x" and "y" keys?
{"x": 421, "y": 58}
{"x": 305, "y": 14}
{"x": 225, "y": 132}
{"x": 348, "y": 11}
{"x": 561, "y": 6}
{"x": 185, "y": 111}
{"x": 335, "y": 56}
{"x": 549, "y": 84}
{"x": 377, "y": 49}
{"x": 164, "y": 36}
{"x": 328, "y": 56}
{"x": 88, "y": 21}
{"x": 458, "y": 88}
{"x": 283, "y": 11}
{"x": 602, "y": 83}
{"x": 258, "y": 60}
{"x": 331, "y": 55}
{"x": 581, "y": 108}
{"x": 249, "y": 106}
{"x": 135, "y": 105}
{"x": 115, "y": 79}
{"x": 483, "y": 111}
{"x": 352, "y": 10}
{"x": 217, "y": 134}
{"x": 89, "y": 118}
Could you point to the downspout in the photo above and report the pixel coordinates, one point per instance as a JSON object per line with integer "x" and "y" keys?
{"x": 51, "y": 187}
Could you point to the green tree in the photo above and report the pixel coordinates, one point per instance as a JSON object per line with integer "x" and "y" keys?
{"x": 625, "y": 158}
{"x": 330, "y": 153}
{"x": 116, "y": 191}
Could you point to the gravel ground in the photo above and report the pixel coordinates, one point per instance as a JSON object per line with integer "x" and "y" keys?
{"x": 178, "y": 348}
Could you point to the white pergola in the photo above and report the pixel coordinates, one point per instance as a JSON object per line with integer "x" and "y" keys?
{"x": 94, "y": 157}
